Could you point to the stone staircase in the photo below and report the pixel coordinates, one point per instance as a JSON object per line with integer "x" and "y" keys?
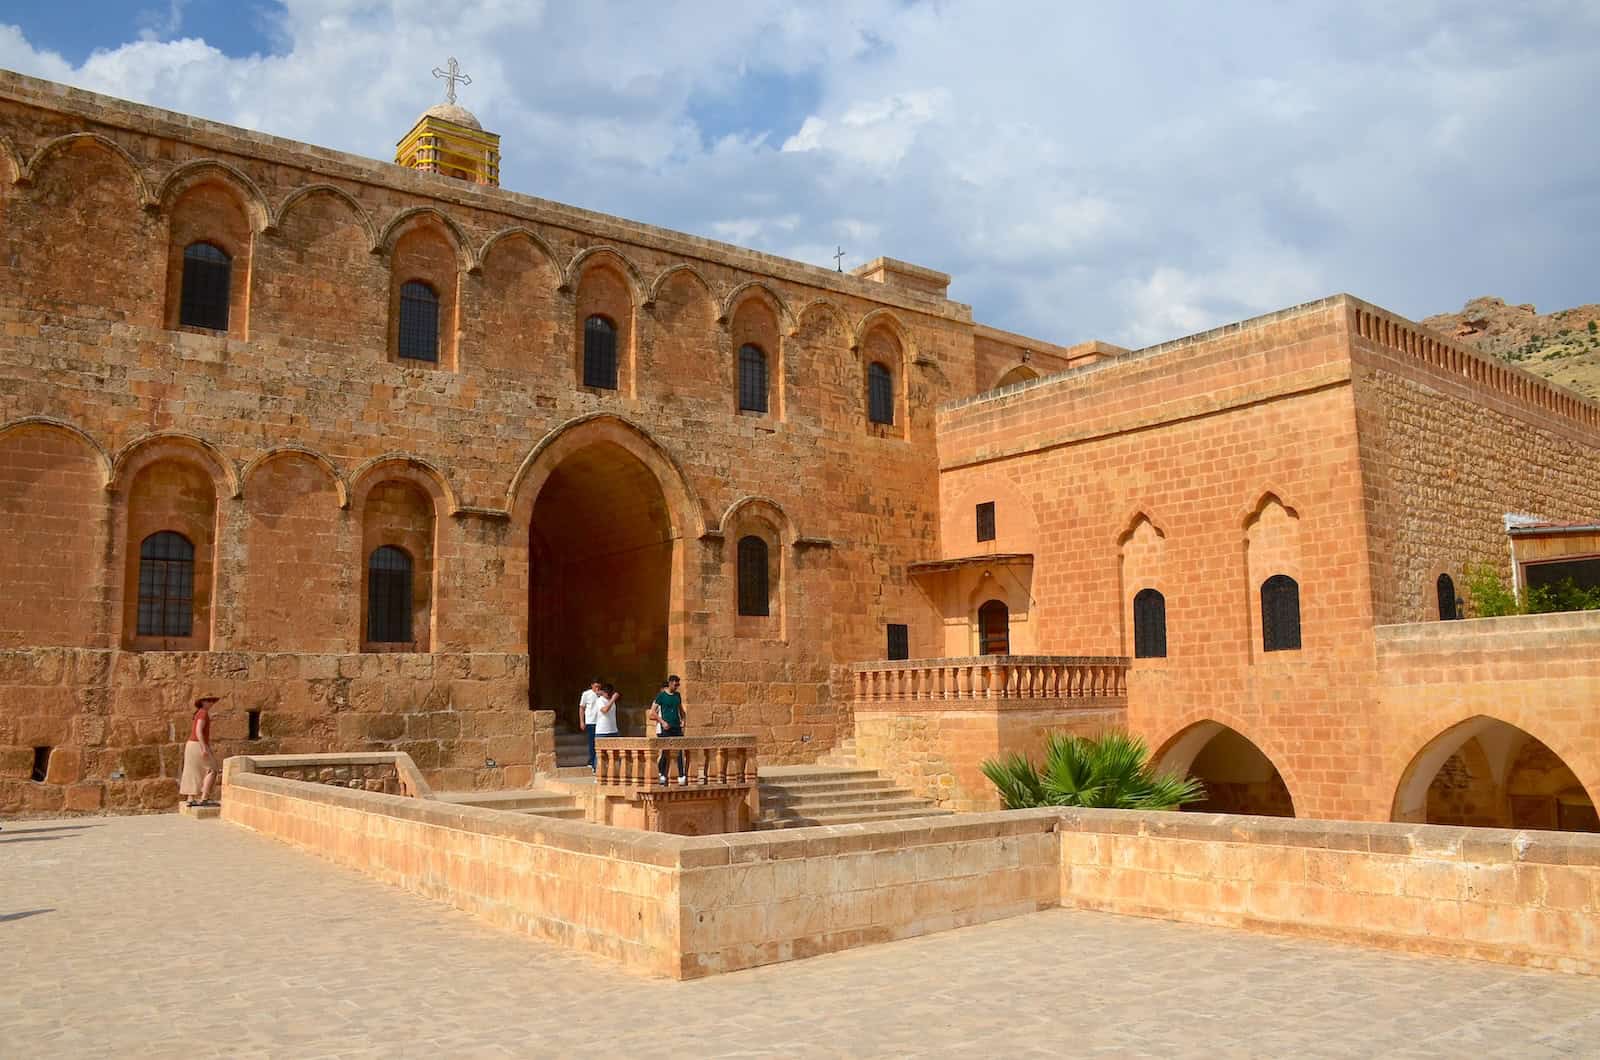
{"x": 572, "y": 749}
{"x": 802, "y": 796}
{"x": 843, "y": 754}
{"x": 531, "y": 801}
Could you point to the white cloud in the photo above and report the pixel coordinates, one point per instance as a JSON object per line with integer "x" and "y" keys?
{"x": 1129, "y": 174}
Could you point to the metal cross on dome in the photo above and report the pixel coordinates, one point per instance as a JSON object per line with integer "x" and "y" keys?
{"x": 450, "y": 75}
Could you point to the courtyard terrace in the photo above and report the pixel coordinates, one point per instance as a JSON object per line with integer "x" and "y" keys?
{"x": 161, "y": 935}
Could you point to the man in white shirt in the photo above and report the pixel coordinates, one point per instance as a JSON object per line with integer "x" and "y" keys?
{"x": 589, "y": 708}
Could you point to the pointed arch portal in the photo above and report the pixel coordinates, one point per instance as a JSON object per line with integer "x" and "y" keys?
{"x": 1238, "y": 776}
{"x": 600, "y": 580}
{"x": 1489, "y": 773}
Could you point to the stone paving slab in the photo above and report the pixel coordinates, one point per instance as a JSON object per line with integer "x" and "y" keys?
{"x": 164, "y": 936}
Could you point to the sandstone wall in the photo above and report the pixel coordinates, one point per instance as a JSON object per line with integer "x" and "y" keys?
{"x": 281, "y": 448}
{"x": 1199, "y": 468}
{"x": 688, "y": 907}
{"x": 115, "y": 722}
{"x": 1451, "y": 441}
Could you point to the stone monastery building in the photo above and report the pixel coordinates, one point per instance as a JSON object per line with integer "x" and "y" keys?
{"x": 391, "y": 458}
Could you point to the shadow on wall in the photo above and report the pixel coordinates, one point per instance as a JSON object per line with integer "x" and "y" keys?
{"x": 1490, "y": 774}
{"x": 1238, "y": 777}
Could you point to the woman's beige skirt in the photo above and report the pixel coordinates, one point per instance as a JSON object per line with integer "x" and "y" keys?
{"x": 195, "y": 763}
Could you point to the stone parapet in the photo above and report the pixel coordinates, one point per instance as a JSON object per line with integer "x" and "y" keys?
{"x": 686, "y": 907}
{"x": 1513, "y": 897}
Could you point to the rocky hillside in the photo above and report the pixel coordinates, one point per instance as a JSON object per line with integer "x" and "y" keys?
{"x": 1563, "y": 346}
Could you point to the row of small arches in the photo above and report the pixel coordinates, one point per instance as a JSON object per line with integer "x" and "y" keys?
{"x": 266, "y": 219}
{"x": 205, "y": 295}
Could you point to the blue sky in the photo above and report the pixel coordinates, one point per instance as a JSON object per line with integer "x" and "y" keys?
{"x": 1131, "y": 173}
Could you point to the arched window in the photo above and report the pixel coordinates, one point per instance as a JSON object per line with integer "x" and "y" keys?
{"x": 166, "y": 585}
{"x": 389, "y": 596}
{"x": 1280, "y": 614}
{"x": 600, "y": 353}
{"x": 1449, "y": 606}
{"x": 1149, "y": 625}
{"x": 880, "y": 393}
{"x": 753, "y": 586}
{"x": 207, "y": 276}
{"x": 752, "y": 379}
{"x": 994, "y": 628}
{"x": 419, "y": 322}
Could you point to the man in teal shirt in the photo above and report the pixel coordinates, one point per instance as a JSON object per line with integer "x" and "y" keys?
{"x": 668, "y": 711}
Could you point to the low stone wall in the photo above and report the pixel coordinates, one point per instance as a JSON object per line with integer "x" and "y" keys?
{"x": 390, "y": 772}
{"x": 937, "y": 749}
{"x": 113, "y": 723}
{"x": 766, "y": 897}
{"x": 692, "y": 906}
{"x": 588, "y": 887}
{"x": 1526, "y": 898}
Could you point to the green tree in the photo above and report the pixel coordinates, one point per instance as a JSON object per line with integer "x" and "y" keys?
{"x": 1490, "y": 596}
{"x": 1111, "y": 770}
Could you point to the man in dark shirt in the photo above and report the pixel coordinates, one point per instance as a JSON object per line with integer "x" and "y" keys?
{"x": 668, "y": 710}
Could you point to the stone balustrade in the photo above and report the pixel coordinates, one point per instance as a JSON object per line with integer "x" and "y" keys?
{"x": 389, "y": 772}
{"x": 992, "y": 677}
{"x": 630, "y": 761}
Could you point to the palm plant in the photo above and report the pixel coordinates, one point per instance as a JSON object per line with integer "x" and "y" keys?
{"x": 1111, "y": 770}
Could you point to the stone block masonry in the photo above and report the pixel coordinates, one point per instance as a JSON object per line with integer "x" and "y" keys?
{"x": 686, "y": 907}
{"x": 113, "y": 723}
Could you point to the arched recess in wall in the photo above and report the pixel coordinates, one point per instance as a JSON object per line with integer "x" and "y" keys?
{"x": 606, "y": 592}
{"x": 294, "y": 498}
{"x": 87, "y": 183}
{"x": 519, "y": 320}
{"x": 756, "y": 328}
{"x": 1238, "y": 776}
{"x": 882, "y": 340}
{"x": 1272, "y": 550}
{"x": 606, "y": 293}
{"x": 1142, "y": 566}
{"x": 682, "y": 361}
{"x": 1484, "y": 772}
{"x": 400, "y": 502}
{"x": 54, "y": 523}
{"x": 317, "y": 278}
{"x": 206, "y": 209}
{"x": 827, "y": 374}
{"x": 168, "y": 487}
{"x": 765, "y": 520}
{"x": 427, "y": 258}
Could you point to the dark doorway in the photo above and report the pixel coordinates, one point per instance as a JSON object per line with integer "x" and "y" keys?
{"x": 994, "y": 628}
{"x": 600, "y": 583}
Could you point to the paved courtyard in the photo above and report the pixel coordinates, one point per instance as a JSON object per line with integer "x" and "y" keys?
{"x": 147, "y": 936}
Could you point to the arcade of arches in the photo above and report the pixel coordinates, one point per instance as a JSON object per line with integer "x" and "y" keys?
{"x": 1237, "y": 776}
{"x": 1487, "y": 773}
{"x": 600, "y": 579}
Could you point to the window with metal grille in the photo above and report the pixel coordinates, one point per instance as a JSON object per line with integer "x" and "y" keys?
{"x": 1449, "y": 607}
{"x": 1149, "y": 625}
{"x": 419, "y": 322}
{"x": 752, "y": 379}
{"x": 753, "y": 588}
{"x": 880, "y": 393}
{"x": 1280, "y": 614}
{"x": 899, "y": 641}
{"x": 389, "y": 596}
{"x": 600, "y": 353}
{"x": 166, "y": 585}
{"x": 994, "y": 628}
{"x": 207, "y": 275}
{"x": 986, "y": 521}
